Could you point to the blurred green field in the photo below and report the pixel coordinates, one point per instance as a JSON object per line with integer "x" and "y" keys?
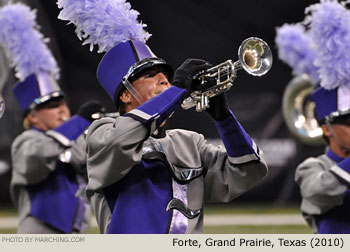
{"x": 254, "y": 229}
{"x": 249, "y": 211}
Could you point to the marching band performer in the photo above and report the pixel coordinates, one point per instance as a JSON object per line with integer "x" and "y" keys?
{"x": 324, "y": 181}
{"x": 49, "y": 157}
{"x": 143, "y": 179}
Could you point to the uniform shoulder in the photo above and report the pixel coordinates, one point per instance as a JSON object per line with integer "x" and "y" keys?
{"x": 98, "y": 123}
{"x": 320, "y": 161}
{"x": 28, "y": 134}
{"x": 102, "y": 121}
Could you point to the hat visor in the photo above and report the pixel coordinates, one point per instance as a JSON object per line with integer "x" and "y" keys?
{"x": 43, "y": 99}
{"x": 136, "y": 70}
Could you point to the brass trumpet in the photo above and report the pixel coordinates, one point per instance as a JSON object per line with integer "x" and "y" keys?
{"x": 254, "y": 56}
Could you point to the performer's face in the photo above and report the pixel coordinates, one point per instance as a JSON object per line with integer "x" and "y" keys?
{"x": 151, "y": 83}
{"x": 343, "y": 133}
{"x": 50, "y": 116}
{"x": 341, "y": 142}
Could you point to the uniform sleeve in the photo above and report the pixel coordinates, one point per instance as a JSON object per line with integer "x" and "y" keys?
{"x": 34, "y": 156}
{"x": 239, "y": 146}
{"x": 70, "y": 130}
{"x": 342, "y": 171}
{"x": 115, "y": 146}
{"x": 320, "y": 189}
{"x": 154, "y": 111}
{"x": 235, "y": 170}
{"x": 76, "y": 155}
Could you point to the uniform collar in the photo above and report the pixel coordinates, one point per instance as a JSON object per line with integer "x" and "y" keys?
{"x": 334, "y": 156}
{"x": 35, "y": 128}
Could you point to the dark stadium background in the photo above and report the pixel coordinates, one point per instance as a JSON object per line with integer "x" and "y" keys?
{"x": 212, "y": 30}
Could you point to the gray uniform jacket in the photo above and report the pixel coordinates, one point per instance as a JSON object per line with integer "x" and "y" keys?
{"x": 325, "y": 194}
{"x": 45, "y": 178}
{"x": 199, "y": 172}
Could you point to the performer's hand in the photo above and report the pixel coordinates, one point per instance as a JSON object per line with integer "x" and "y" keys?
{"x": 218, "y": 107}
{"x": 183, "y": 77}
{"x": 89, "y": 108}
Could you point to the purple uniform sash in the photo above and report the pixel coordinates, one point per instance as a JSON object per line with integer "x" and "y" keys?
{"x": 53, "y": 201}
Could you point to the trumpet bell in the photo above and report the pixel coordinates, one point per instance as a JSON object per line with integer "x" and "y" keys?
{"x": 255, "y": 56}
{"x": 299, "y": 111}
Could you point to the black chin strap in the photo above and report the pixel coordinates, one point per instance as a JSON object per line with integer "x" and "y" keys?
{"x": 132, "y": 90}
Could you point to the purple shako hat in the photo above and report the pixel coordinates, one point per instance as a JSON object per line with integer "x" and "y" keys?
{"x": 126, "y": 60}
{"x": 27, "y": 51}
{"x": 36, "y": 89}
{"x": 331, "y": 103}
{"x": 113, "y": 26}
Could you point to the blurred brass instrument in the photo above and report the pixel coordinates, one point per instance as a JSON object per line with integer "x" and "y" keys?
{"x": 299, "y": 111}
{"x": 254, "y": 56}
{"x": 100, "y": 115}
{"x": 2, "y": 106}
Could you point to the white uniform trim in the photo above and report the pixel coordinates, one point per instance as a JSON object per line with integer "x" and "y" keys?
{"x": 245, "y": 158}
{"x": 141, "y": 114}
{"x": 59, "y": 137}
{"x": 255, "y": 148}
{"x": 341, "y": 173}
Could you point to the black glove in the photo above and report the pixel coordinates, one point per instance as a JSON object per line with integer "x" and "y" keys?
{"x": 218, "y": 107}
{"x": 89, "y": 108}
{"x": 183, "y": 77}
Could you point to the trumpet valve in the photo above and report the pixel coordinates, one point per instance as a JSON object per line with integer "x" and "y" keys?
{"x": 202, "y": 103}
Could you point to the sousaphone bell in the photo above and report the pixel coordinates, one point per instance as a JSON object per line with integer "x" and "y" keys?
{"x": 2, "y": 106}
{"x": 299, "y": 111}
